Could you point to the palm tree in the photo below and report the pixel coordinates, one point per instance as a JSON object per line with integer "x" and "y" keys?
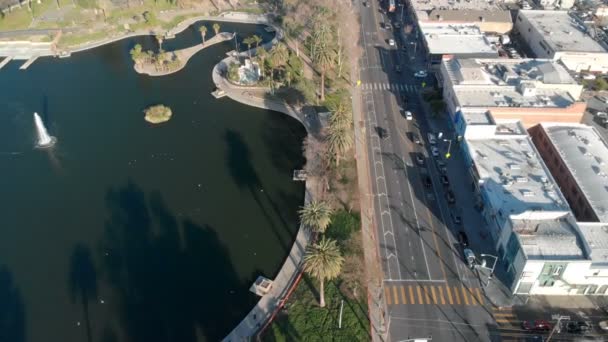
{"x": 203, "y": 30}
{"x": 216, "y": 28}
{"x": 278, "y": 57}
{"x": 256, "y": 39}
{"x": 159, "y": 39}
{"x": 262, "y": 55}
{"x": 323, "y": 261}
{"x": 136, "y": 54}
{"x": 324, "y": 60}
{"x": 340, "y": 139}
{"x": 316, "y": 215}
{"x": 248, "y": 41}
{"x": 340, "y": 115}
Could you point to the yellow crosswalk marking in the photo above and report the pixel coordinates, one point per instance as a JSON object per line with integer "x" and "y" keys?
{"x": 387, "y": 294}
{"x": 395, "y": 296}
{"x": 504, "y": 314}
{"x": 473, "y": 299}
{"x": 456, "y": 295}
{"x": 464, "y": 295}
{"x": 441, "y": 295}
{"x": 449, "y": 292}
{"x": 479, "y": 296}
{"x": 434, "y": 295}
{"x": 412, "y": 299}
{"x": 502, "y": 320}
{"x": 419, "y": 288}
{"x": 403, "y": 297}
{"x": 426, "y": 295}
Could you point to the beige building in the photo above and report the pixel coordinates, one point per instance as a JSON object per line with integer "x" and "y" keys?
{"x": 488, "y": 21}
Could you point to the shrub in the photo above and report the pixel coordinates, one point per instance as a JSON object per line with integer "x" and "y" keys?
{"x": 343, "y": 224}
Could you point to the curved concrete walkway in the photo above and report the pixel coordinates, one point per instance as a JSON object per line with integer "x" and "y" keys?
{"x": 183, "y": 55}
{"x": 270, "y": 303}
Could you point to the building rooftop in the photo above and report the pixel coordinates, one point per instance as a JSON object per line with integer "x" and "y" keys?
{"x": 561, "y": 31}
{"x": 428, "y": 5}
{"x": 585, "y": 154}
{"x": 511, "y": 83}
{"x": 470, "y": 15}
{"x": 513, "y": 176}
{"x": 550, "y": 239}
{"x": 596, "y": 236}
{"x": 456, "y": 39}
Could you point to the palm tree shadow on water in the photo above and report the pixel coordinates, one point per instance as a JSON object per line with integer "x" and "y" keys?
{"x": 173, "y": 278}
{"x": 12, "y": 309}
{"x": 83, "y": 282}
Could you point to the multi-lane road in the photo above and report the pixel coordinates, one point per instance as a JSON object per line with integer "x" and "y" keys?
{"x": 428, "y": 289}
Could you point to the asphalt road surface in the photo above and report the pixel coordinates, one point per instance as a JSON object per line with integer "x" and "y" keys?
{"x": 428, "y": 289}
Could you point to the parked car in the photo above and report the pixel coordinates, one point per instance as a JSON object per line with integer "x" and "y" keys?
{"x": 537, "y": 325}
{"x": 432, "y": 139}
{"x": 603, "y": 325}
{"x": 408, "y": 115}
{"x": 434, "y": 151}
{"x": 456, "y": 218}
{"x": 419, "y": 159}
{"x": 441, "y": 167}
{"x": 427, "y": 181}
{"x": 398, "y": 68}
{"x": 449, "y": 196}
{"x": 579, "y": 327}
{"x": 601, "y": 114}
{"x": 397, "y": 25}
{"x": 391, "y": 42}
{"x": 444, "y": 180}
{"x": 420, "y": 74}
{"x": 365, "y": 4}
{"x": 463, "y": 239}
{"x": 603, "y": 99}
{"x": 382, "y": 133}
{"x": 415, "y": 138}
{"x": 469, "y": 257}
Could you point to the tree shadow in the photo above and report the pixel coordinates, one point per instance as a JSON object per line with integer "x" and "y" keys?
{"x": 174, "y": 280}
{"x": 83, "y": 281}
{"x": 12, "y": 309}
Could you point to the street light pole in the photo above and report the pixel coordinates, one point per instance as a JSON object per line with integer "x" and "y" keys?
{"x": 447, "y": 155}
{"x": 493, "y": 266}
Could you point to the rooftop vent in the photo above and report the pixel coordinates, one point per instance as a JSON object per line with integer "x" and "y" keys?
{"x": 521, "y": 179}
{"x": 527, "y": 193}
{"x": 514, "y": 167}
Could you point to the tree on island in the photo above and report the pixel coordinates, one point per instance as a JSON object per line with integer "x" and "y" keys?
{"x": 159, "y": 39}
{"x": 249, "y": 41}
{"x": 323, "y": 261}
{"x": 256, "y": 39}
{"x": 278, "y": 57}
{"x": 137, "y": 54}
{"x": 316, "y": 215}
{"x": 203, "y": 30}
{"x": 158, "y": 114}
{"x": 261, "y": 55}
{"x": 233, "y": 72}
{"x": 216, "y": 28}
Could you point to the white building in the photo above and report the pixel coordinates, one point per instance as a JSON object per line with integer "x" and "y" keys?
{"x": 540, "y": 245}
{"x": 459, "y": 40}
{"x": 478, "y": 92}
{"x": 556, "y": 4}
{"x": 558, "y": 36}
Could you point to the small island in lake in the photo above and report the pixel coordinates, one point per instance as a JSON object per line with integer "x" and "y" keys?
{"x": 158, "y": 114}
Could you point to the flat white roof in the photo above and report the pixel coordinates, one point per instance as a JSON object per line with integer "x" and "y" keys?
{"x": 428, "y": 5}
{"x": 456, "y": 39}
{"x": 551, "y": 239}
{"x": 596, "y": 236}
{"x": 561, "y": 31}
{"x": 514, "y": 177}
{"x": 585, "y": 154}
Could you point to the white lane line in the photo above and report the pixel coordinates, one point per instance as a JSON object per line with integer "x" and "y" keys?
{"x": 416, "y": 280}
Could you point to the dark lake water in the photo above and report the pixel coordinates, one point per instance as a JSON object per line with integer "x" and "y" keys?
{"x": 126, "y": 231}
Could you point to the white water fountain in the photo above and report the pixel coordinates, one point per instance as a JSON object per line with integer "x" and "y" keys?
{"x": 44, "y": 139}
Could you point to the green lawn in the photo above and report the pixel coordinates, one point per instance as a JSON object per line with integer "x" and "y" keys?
{"x": 306, "y": 321}
{"x": 18, "y": 19}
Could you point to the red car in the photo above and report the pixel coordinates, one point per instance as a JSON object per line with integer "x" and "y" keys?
{"x": 538, "y": 325}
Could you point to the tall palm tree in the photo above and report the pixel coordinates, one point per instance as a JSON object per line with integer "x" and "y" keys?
{"x": 136, "y": 54}
{"x": 203, "y": 30}
{"x": 216, "y": 28}
{"x": 257, "y": 40}
{"x": 278, "y": 57}
{"x": 340, "y": 139}
{"x": 340, "y": 115}
{"x": 262, "y": 55}
{"x": 323, "y": 261}
{"x": 248, "y": 41}
{"x": 316, "y": 215}
{"x": 324, "y": 60}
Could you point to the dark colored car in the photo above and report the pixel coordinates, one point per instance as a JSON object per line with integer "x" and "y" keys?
{"x": 463, "y": 239}
{"x": 537, "y": 325}
{"x": 449, "y": 196}
{"x": 444, "y": 180}
{"x": 398, "y": 68}
{"x": 382, "y": 133}
{"x": 456, "y": 218}
{"x": 577, "y": 327}
{"x": 427, "y": 181}
{"x": 419, "y": 159}
{"x": 416, "y": 139}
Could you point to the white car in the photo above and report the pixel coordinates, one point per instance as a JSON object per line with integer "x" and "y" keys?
{"x": 421, "y": 74}
{"x": 434, "y": 151}
{"x": 408, "y": 115}
{"x": 391, "y": 42}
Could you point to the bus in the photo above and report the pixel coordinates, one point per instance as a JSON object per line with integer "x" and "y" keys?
{"x": 391, "y": 5}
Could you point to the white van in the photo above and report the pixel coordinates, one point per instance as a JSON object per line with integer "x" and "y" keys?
{"x": 432, "y": 139}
